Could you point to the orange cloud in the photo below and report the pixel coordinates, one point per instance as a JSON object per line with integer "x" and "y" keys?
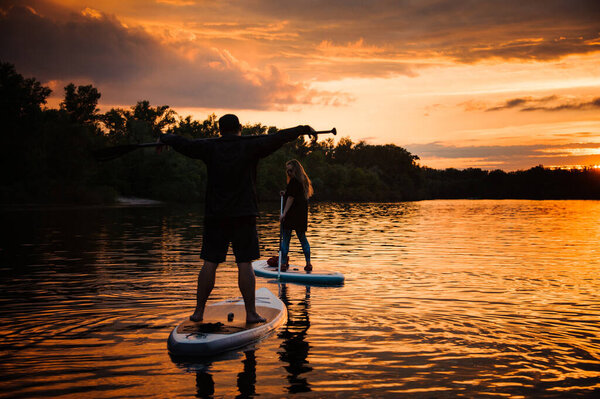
{"x": 91, "y": 13}
{"x": 337, "y": 39}
{"x": 508, "y": 156}
{"x": 127, "y": 64}
{"x": 178, "y": 3}
{"x": 356, "y": 49}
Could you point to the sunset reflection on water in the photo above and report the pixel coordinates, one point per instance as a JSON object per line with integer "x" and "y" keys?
{"x": 442, "y": 298}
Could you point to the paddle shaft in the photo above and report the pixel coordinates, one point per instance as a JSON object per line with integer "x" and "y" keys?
{"x": 280, "y": 238}
{"x": 109, "y": 153}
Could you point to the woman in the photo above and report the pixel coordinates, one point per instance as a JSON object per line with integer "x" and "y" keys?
{"x": 295, "y": 212}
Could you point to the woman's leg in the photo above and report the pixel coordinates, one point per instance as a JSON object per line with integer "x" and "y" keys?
{"x": 305, "y": 246}
{"x": 285, "y": 244}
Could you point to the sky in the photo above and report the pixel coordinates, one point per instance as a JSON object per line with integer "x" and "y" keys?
{"x": 496, "y": 84}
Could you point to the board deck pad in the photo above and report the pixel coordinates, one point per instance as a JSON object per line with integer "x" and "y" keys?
{"x": 215, "y": 320}
{"x": 216, "y": 333}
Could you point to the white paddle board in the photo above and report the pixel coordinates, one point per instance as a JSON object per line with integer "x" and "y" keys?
{"x": 297, "y": 274}
{"x": 220, "y": 332}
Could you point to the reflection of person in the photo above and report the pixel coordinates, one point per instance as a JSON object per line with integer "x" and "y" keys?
{"x": 295, "y": 347}
{"x": 246, "y": 380}
{"x": 205, "y": 385}
{"x": 295, "y": 212}
{"x": 231, "y": 203}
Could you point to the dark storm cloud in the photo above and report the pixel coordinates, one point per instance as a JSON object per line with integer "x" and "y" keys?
{"x": 77, "y": 48}
{"x": 128, "y": 65}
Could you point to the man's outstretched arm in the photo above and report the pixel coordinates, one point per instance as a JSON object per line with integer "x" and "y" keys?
{"x": 272, "y": 142}
{"x": 191, "y": 148}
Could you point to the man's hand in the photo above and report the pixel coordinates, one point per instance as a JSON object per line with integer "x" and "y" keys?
{"x": 310, "y": 131}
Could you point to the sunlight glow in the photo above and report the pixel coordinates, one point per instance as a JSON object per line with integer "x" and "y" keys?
{"x": 91, "y": 13}
{"x": 421, "y": 84}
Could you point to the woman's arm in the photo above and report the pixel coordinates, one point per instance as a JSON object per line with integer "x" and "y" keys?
{"x": 286, "y": 208}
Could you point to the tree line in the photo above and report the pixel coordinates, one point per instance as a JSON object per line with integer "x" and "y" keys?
{"x": 48, "y": 157}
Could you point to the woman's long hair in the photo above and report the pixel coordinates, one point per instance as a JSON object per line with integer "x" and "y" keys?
{"x": 299, "y": 173}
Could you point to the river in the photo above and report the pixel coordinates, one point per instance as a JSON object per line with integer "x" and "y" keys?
{"x": 461, "y": 298}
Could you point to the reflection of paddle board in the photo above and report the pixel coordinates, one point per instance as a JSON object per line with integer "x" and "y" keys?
{"x": 297, "y": 274}
{"x": 218, "y": 334}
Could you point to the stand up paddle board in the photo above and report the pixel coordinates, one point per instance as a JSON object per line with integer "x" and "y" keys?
{"x": 297, "y": 274}
{"x": 224, "y": 326}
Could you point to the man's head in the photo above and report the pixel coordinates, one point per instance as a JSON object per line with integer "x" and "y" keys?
{"x": 229, "y": 124}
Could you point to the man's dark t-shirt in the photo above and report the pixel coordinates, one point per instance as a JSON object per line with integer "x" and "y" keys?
{"x": 297, "y": 216}
{"x": 231, "y": 164}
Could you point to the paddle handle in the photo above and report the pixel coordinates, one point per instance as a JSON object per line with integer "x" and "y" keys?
{"x": 333, "y": 131}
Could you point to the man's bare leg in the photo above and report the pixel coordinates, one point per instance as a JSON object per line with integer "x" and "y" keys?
{"x": 206, "y": 282}
{"x": 247, "y": 285}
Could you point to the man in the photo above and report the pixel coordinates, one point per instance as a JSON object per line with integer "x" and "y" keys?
{"x": 231, "y": 204}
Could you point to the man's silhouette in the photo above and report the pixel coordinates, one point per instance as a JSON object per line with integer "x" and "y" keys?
{"x": 231, "y": 203}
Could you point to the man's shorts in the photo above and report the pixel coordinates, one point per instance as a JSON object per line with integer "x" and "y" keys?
{"x": 239, "y": 231}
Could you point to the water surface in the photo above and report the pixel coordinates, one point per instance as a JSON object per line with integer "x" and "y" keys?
{"x": 442, "y": 299}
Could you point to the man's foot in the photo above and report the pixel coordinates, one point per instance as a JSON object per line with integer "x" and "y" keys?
{"x": 197, "y": 316}
{"x": 254, "y": 318}
{"x": 308, "y": 268}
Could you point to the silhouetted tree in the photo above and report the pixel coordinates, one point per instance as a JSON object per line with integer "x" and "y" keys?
{"x": 81, "y": 103}
{"x": 193, "y": 129}
{"x": 343, "y": 150}
{"x": 21, "y": 116}
{"x": 115, "y": 123}
{"x": 20, "y": 99}
{"x": 157, "y": 120}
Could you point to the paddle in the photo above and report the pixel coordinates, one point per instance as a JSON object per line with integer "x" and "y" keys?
{"x": 110, "y": 153}
{"x": 280, "y": 234}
